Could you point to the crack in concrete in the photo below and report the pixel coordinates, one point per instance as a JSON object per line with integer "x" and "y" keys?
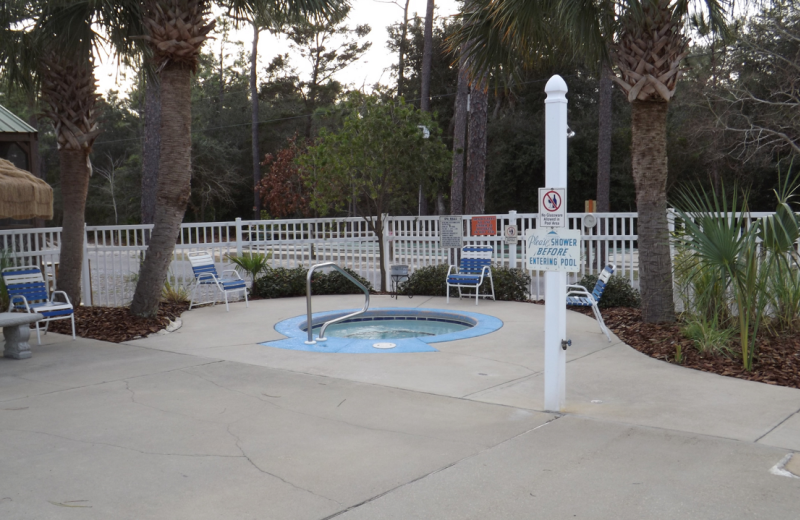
{"x": 127, "y": 448}
{"x": 779, "y": 424}
{"x": 509, "y": 383}
{"x": 99, "y": 383}
{"x": 170, "y": 412}
{"x": 332, "y": 419}
{"x": 238, "y": 441}
{"x": 438, "y": 470}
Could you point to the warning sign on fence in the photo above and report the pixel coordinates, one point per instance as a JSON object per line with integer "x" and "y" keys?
{"x": 483, "y": 226}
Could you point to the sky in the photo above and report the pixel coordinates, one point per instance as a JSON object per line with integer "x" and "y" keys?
{"x": 371, "y": 69}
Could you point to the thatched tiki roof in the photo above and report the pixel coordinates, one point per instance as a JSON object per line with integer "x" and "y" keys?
{"x": 22, "y": 195}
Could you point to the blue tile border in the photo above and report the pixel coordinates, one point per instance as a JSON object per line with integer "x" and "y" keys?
{"x": 293, "y": 329}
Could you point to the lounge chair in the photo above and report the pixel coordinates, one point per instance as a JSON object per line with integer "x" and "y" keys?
{"x": 205, "y": 274}
{"x": 27, "y": 292}
{"x": 476, "y": 266}
{"x": 578, "y": 295}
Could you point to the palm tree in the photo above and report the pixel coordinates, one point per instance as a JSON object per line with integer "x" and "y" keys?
{"x": 647, "y": 46}
{"x": 175, "y": 31}
{"x": 52, "y": 50}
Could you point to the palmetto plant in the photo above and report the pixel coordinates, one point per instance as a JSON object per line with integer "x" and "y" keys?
{"x": 252, "y": 264}
{"x": 723, "y": 242}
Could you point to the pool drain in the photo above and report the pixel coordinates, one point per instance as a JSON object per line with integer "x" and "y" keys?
{"x": 384, "y": 345}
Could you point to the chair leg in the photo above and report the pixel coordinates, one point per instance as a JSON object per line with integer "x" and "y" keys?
{"x": 38, "y": 336}
{"x": 447, "y": 294}
{"x": 72, "y": 317}
{"x": 477, "y": 292}
{"x": 191, "y": 302}
{"x": 599, "y": 318}
{"x": 491, "y": 281}
{"x": 227, "y": 309}
{"x": 246, "y": 303}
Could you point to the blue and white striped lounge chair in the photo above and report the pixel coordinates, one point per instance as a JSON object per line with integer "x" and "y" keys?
{"x": 476, "y": 266}
{"x": 27, "y": 292}
{"x": 205, "y": 274}
{"x": 578, "y": 295}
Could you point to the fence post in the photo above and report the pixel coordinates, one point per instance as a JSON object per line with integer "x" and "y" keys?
{"x": 86, "y": 280}
{"x": 238, "y": 236}
{"x": 512, "y": 248}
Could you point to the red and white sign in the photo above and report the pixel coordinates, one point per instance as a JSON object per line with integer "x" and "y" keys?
{"x": 552, "y": 208}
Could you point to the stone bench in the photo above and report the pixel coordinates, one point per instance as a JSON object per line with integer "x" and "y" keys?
{"x": 16, "y": 332}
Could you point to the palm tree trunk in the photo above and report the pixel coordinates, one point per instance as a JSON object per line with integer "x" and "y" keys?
{"x": 649, "y": 157}
{"x": 174, "y": 187}
{"x": 74, "y": 188}
{"x": 427, "y": 54}
{"x": 152, "y": 149}
{"x": 254, "y": 128}
{"x": 459, "y": 139}
{"x": 476, "y": 149}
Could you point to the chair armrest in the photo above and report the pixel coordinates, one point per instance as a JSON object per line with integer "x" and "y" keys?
{"x": 450, "y": 271}
{"x": 581, "y": 292}
{"x": 60, "y": 292}
{"x": 11, "y": 302}
{"x": 206, "y": 276}
{"x": 579, "y": 287}
{"x": 234, "y": 271}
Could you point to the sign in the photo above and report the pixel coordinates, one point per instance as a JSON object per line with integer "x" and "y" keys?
{"x": 553, "y": 250}
{"x": 511, "y": 235}
{"x": 484, "y": 226}
{"x": 451, "y": 231}
{"x": 552, "y": 208}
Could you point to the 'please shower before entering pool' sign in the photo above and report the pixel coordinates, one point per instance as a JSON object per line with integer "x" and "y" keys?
{"x": 553, "y": 250}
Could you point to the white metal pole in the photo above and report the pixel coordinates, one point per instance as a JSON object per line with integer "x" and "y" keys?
{"x": 512, "y": 248}
{"x": 555, "y": 283}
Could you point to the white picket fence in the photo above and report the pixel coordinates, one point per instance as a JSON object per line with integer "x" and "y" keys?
{"x": 113, "y": 254}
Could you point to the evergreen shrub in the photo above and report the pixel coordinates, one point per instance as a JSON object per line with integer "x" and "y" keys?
{"x": 618, "y": 293}
{"x": 280, "y": 282}
{"x": 509, "y": 284}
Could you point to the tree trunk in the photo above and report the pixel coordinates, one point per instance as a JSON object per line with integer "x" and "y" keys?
{"x": 604, "y": 141}
{"x": 649, "y": 158}
{"x": 254, "y": 129}
{"x": 152, "y": 149}
{"x": 401, "y": 63}
{"x": 174, "y": 187}
{"x": 74, "y": 188}
{"x": 476, "y": 148}
{"x": 427, "y": 54}
{"x": 604, "y": 155}
{"x": 459, "y": 140}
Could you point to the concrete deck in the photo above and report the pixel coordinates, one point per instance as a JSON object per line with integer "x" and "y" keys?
{"x": 206, "y": 423}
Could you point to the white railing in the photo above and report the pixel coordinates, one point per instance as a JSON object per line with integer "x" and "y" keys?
{"x": 112, "y": 254}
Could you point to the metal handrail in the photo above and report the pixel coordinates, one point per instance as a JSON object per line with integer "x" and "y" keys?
{"x": 350, "y": 277}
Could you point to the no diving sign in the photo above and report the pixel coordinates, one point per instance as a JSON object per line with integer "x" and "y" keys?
{"x": 552, "y": 207}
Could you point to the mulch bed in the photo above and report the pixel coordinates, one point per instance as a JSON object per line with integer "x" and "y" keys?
{"x": 117, "y": 324}
{"x": 777, "y": 362}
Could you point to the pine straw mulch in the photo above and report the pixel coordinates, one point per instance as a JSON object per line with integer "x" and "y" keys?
{"x": 117, "y": 324}
{"x": 777, "y": 361}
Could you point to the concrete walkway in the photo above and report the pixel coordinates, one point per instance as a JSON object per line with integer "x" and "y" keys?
{"x": 205, "y": 423}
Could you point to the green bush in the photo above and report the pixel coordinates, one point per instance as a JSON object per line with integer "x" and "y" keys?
{"x": 280, "y": 282}
{"x": 428, "y": 281}
{"x": 618, "y": 293}
{"x": 509, "y": 284}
